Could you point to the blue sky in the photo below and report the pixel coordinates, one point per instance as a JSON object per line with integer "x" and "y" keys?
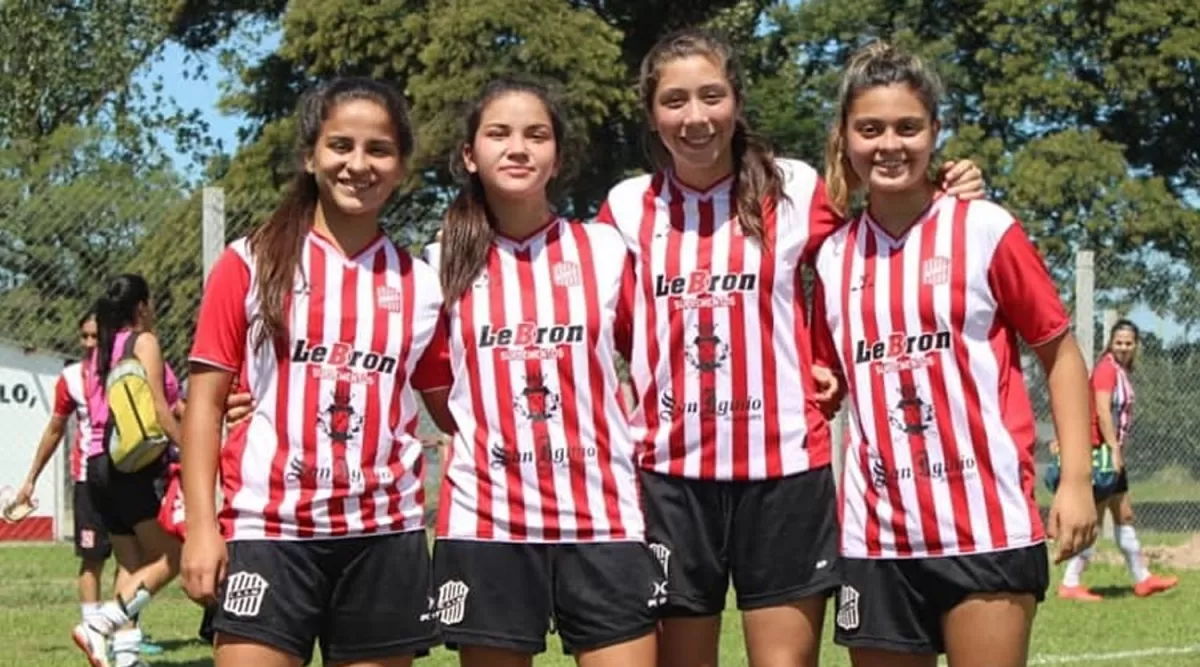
{"x": 203, "y": 94}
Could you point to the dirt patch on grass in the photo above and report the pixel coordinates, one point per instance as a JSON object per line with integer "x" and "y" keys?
{"x": 1184, "y": 556}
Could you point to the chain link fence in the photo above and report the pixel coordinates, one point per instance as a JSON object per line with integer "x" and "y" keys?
{"x": 1162, "y": 452}
{"x": 59, "y": 247}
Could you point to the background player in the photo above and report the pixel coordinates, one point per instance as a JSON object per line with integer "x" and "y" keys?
{"x": 1112, "y": 418}
{"x": 127, "y": 503}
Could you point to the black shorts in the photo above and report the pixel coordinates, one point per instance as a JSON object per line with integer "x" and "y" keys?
{"x": 123, "y": 500}
{"x": 364, "y": 598}
{"x": 91, "y": 539}
{"x": 505, "y": 595}
{"x": 776, "y": 538}
{"x": 898, "y": 604}
{"x": 1122, "y": 486}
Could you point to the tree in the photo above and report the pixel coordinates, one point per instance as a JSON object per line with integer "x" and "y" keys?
{"x": 81, "y": 177}
{"x": 441, "y": 53}
{"x": 1029, "y": 97}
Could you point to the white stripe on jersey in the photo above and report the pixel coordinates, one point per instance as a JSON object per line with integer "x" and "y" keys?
{"x": 543, "y": 451}
{"x": 721, "y": 351}
{"x": 330, "y": 450}
{"x": 934, "y": 465}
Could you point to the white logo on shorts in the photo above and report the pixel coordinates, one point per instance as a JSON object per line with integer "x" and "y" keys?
{"x": 244, "y": 593}
{"x": 452, "y": 602}
{"x": 663, "y": 554}
{"x": 658, "y": 594}
{"x": 847, "y": 613}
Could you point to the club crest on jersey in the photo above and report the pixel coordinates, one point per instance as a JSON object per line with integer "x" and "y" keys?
{"x": 342, "y": 362}
{"x": 389, "y": 299}
{"x": 339, "y": 421}
{"x": 705, "y": 350}
{"x": 935, "y": 271}
{"x": 566, "y": 274}
{"x": 901, "y": 351}
{"x": 911, "y": 415}
{"x": 536, "y": 402}
{"x": 704, "y": 289}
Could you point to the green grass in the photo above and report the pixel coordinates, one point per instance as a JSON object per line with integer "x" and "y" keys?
{"x": 38, "y": 609}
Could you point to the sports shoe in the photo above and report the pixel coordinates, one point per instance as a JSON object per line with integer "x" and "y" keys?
{"x": 148, "y": 647}
{"x": 1154, "y": 584}
{"x": 93, "y": 644}
{"x": 1079, "y": 593}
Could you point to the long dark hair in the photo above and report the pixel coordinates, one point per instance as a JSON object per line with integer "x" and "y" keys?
{"x": 277, "y": 244}
{"x": 1123, "y": 324}
{"x": 756, "y": 177}
{"x": 117, "y": 309}
{"x": 467, "y": 232}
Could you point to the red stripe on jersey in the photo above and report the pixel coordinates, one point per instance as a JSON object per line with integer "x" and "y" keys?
{"x": 675, "y": 352}
{"x": 484, "y": 527}
{"x": 772, "y": 447}
{"x": 872, "y": 537}
{"x": 370, "y": 448}
{"x": 898, "y": 323}
{"x": 604, "y": 442}
{"x": 272, "y": 515}
{"x": 338, "y": 524}
{"x": 585, "y": 530}
{"x": 942, "y": 411}
{"x": 895, "y": 501}
{"x": 314, "y": 330}
{"x": 738, "y": 366}
{"x": 978, "y": 434}
{"x": 533, "y": 373}
{"x": 708, "y": 381}
{"x": 648, "y": 458}
{"x": 496, "y": 313}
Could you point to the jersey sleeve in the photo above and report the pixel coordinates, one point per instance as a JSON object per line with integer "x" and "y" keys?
{"x": 824, "y": 350}
{"x": 171, "y": 384}
{"x": 64, "y": 405}
{"x": 1104, "y": 377}
{"x": 605, "y": 215}
{"x": 823, "y": 220}
{"x": 1024, "y": 291}
{"x": 221, "y": 326}
{"x": 433, "y": 369}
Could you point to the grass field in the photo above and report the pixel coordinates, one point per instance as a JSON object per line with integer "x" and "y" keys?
{"x": 38, "y": 607}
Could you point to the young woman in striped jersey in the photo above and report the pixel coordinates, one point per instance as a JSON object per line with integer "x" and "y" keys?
{"x": 539, "y": 523}
{"x": 919, "y": 305}
{"x": 734, "y": 449}
{"x": 325, "y": 322}
{"x": 1112, "y": 417}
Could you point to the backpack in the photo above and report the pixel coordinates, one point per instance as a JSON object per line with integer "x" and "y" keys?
{"x": 135, "y": 438}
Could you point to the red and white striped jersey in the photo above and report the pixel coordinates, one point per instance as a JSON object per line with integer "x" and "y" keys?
{"x": 721, "y": 354}
{"x": 1112, "y": 377}
{"x": 925, "y": 326}
{"x": 69, "y": 399}
{"x": 330, "y": 450}
{"x": 543, "y": 451}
